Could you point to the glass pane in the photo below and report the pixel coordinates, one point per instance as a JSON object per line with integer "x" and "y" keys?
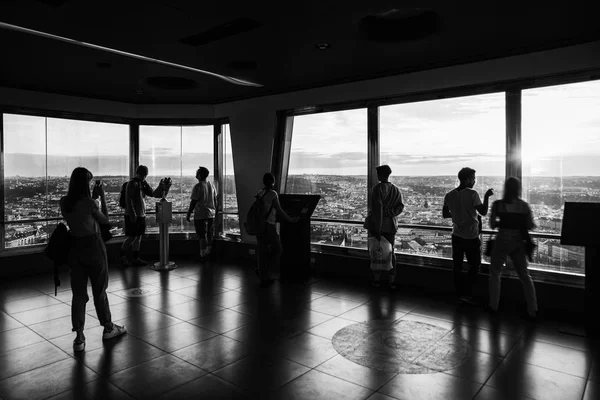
{"x": 231, "y": 224}
{"x": 229, "y": 193}
{"x": 427, "y": 242}
{"x": 556, "y": 170}
{"x": 25, "y": 195}
{"x": 329, "y": 157}
{"x": 102, "y": 148}
{"x": 427, "y": 143}
{"x": 26, "y": 234}
{"x": 338, "y": 234}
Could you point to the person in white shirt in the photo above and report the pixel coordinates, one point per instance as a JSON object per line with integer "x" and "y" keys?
{"x": 463, "y": 205}
{"x": 204, "y": 205}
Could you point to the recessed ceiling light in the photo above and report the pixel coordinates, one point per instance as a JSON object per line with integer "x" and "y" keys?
{"x": 323, "y": 46}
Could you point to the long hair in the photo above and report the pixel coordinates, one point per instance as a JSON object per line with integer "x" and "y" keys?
{"x": 512, "y": 189}
{"x": 79, "y": 187}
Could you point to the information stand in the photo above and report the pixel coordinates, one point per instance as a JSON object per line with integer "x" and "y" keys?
{"x": 295, "y": 237}
{"x": 164, "y": 216}
{"x": 581, "y": 227}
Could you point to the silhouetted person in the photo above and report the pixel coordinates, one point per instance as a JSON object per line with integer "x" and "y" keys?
{"x": 87, "y": 256}
{"x": 513, "y": 218}
{"x": 385, "y": 207}
{"x": 135, "y": 213}
{"x": 462, "y": 205}
{"x": 269, "y": 244}
{"x": 204, "y": 205}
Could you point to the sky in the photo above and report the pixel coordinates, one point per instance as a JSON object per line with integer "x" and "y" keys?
{"x": 560, "y": 137}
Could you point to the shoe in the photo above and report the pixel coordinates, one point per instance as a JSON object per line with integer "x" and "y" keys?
{"x": 114, "y": 332}
{"x": 376, "y": 284}
{"x": 393, "y": 286}
{"x": 125, "y": 261}
{"x": 138, "y": 262}
{"x": 79, "y": 344}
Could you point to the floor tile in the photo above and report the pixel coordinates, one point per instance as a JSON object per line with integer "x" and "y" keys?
{"x": 123, "y": 310}
{"x": 7, "y": 322}
{"x": 118, "y": 354}
{"x": 172, "y": 282}
{"x": 261, "y": 374}
{"x": 176, "y": 336}
{"x": 192, "y": 309}
{"x": 329, "y": 328}
{"x": 27, "y": 304}
{"x": 155, "y": 377}
{"x": 489, "y": 393}
{"x": 23, "y": 359}
{"x": 60, "y": 326}
{"x": 222, "y": 321}
{"x": 341, "y": 367}
{"x": 307, "y": 349}
{"x": 370, "y": 311}
{"x": 163, "y": 300}
{"x": 332, "y": 305}
{"x": 379, "y": 396}
{"x": 429, "y": 386}
{"x": 320, "y": 386}
{"x": 46, "y": 381}
{"x": 95, "y": 390}
{"x": 228, "y": 299}
{"x": 42, "y": 314}
{"x": 206, "y": 387}
{"x": 442, "y": 323}
{"x": 16, "y": 338}
{"x": 485, "y": 341}
{"x": 199, "y": 292}
{"x": 551, "y": 356}
{"x": 138, "y": 324}
{"x": 592, "y": 391}
{"x": 477, "y": 368}
{"x": 515, "y": 379}
{"x": 13, "y": 291}
{"x": 214, "y": 353}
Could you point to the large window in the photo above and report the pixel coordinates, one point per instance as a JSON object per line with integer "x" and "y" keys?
{"x": 40, "y": 154}
{"x": 561, "y": 161}
{"x": 231, "y": 223}
{"x": 426, "y": 144}
{"x": 328, "y": 157}
{"x": 175, "y": 152}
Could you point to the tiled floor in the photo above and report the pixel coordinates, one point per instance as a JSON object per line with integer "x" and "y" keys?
{"x": 210, "y": 332}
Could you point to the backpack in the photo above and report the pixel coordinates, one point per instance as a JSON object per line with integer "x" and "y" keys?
{"x": 256, "y": 219}
{"x": 123, "y": 196}
{"x": 57, "y": 250}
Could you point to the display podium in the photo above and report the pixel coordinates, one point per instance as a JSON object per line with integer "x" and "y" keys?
{"x": 581, "y": 227}
{"x": 164, "y": 216}
{"x": 295, "y": 237}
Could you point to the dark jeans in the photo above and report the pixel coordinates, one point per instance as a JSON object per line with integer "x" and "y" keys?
{"x": 269, "y": 251}
{"x": 471, "y": 248}
{"x": 87, "y": 259}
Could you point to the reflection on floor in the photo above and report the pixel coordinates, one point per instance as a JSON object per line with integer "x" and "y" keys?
{"x": 208, "y": 331}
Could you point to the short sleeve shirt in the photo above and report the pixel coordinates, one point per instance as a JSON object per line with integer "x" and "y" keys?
{"x": 461, "y": 204}
{"x": 205, "y": 195}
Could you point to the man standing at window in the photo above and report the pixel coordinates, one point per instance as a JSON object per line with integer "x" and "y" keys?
{"x": 135, "y": 213}
{"x": 462, "y": 205}
{"x": 204, "y": 205}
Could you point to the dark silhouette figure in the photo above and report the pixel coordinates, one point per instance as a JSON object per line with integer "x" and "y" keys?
{"x": 87, "y": 255}
{"x": 463, "y": 205}
{"x": 135, "y": 213}
{"x": 269, "y": 243}
{"x": 386, "y": 205}
{"x": 204, "y": 205}
{"x": 513, "y": 218}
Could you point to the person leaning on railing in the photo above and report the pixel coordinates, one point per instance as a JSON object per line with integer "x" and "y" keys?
{"x": 513, "y": 218}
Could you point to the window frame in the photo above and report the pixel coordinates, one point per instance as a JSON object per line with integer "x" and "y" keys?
{"x": 513, "y": 162}
{"x": 133, "y": 123}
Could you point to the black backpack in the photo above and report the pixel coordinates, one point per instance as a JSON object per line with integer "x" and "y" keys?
{"x": 256, "y": 219}
{"x": 57, "y": 250}
{"x": 123, "y": 196}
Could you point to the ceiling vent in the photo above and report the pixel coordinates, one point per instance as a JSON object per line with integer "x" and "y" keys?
{"x": 400, "y": 25}
{"x": 171, "y": 83}
{"x": 219, "y": 32}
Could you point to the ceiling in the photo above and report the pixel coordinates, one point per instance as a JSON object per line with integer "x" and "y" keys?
{"x": 276, "y": 44}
